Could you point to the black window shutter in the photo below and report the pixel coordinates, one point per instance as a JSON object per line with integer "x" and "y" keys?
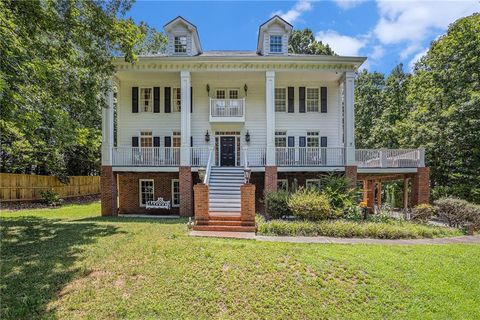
{"x": 134, "y": 99}
{"x": 135, "y": 142}
{"x": 156, "y": 141}
{"x": 191, "y": 99}
{"x": 291, "y": 99}
{"x": 168, "y": 99}
{"x": 191, "y": 141}
{"x": 156, "y": 99}
{"x": 291, "y": 142}
{"x": 168, "y": 141}
{"x": 302, "y": 142}
{"x": 301, "y": 94}
{"x": 323, "y": 99}
{"x": 323, "y": 142}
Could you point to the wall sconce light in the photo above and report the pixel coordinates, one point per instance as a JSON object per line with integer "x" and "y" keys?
{"x": 208, "y": 89}
{"x": 247, "y": 136}
{"x": 245, "y": 88}
{"x": 207, "y": 136}
{"x": 247, "y": 174}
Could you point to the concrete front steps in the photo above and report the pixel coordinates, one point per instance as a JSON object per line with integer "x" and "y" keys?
{"x": 225, "y": 221}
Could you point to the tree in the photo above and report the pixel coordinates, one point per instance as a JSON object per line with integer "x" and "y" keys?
{"x": 55, "y": 60}
{"x": 303, "y": 42}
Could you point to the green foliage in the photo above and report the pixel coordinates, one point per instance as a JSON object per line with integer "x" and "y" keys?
{"x": 351, "y": 229}
{"x": 304, "y": 42}
{"x": 51, "y": 198}
{"x": 276, "y": 204}
{"x": 457, "y": 212}
{"x": 310, "y": 205}
{"x": 342, "y": 197}
{"x": 423, "y": 213}
{"x": 55, "y": 61}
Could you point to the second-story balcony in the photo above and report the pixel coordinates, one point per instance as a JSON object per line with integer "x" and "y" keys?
{"x": 227, "y": 110}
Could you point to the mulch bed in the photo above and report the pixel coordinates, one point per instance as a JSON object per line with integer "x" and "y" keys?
{"x": 22, "y": 205}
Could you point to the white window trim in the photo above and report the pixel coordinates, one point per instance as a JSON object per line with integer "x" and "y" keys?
{"x": 317, "y": 181}
{"x": 140, "y": 137}
{"x": 140, "y": 100}
{"x": 171, "y": 193}
{"x": 227, "y": 92}
{"x": 270, "y": 43}
{"x": 173, "y": 99}
{"x": 140, "y": 191}
{"x": 286, "y": 100}
{"x": 317, "y": 136}
{"x": 306, "y": 100}
{"x": 281, "y": 134}
{"x": 186, "y": 44}
{"x": 283, "y": 180}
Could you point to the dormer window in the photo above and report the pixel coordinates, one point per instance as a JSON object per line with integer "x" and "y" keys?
{"x": 181, "y": 44}
{"x": 275, "y": 44}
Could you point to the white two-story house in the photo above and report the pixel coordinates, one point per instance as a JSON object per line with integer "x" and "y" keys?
{"x": 287, "y": 117}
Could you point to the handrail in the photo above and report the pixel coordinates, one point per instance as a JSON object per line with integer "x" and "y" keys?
{"x": 209, "y": 166}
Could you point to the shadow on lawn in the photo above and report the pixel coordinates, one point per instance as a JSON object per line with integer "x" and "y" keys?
{"x": 37, "y": 262}
{"x": 135, "y": 220}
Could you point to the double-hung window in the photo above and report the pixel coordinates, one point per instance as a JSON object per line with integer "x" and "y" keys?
{"x": 275, "y": 44}
{"x": 280, "y": 99}
{"x": 176, "y": 139}
{"x": 313, "y": 140}
{"x": 146, "y": 193}
{"x": 146, "y": 99}
{"x": 282, "y": 184}
{"x": 146, "y": 139}
{"x": 177, "y": 100}
{"x": 175, "y": 193}
{"x": 280, "y": 139}
{"x": 180, "y": 44}
{"x": 313, "y": 99}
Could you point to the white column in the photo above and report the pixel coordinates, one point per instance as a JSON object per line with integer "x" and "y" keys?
{"x": 270, "y": 114}
{"x": 349, "y": 117}
{"x": 185, "y": 118}
{"x": 107, "y": 127}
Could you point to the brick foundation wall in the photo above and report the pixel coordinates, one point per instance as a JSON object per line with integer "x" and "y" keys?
{"x": 421, "y": 186}
{"x": 200, "y": 192}
{"x": 129, "y": 198}
{"x": 108, "y": 189}
{"x": 271, "y": 178}
{"x": 247, "y": 192}
{"x": 351, "y": 175}
{"x": 186, "y": 191}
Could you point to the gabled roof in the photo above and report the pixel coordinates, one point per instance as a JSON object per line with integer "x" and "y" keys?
{"x": 190, "y": 26}
{"x": 276, "y": 18}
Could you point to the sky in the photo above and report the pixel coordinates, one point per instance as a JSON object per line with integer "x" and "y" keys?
{"x": 386, "y": 32}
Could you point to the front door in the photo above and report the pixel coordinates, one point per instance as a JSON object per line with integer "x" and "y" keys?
{"x": 227, "y": 151}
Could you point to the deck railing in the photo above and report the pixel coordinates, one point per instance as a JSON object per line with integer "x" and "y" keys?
{"x": 227, "y": 108}
{"x": 390, "y": 158}
{"x": 254, "y": 156}
{"x": 199, "y": 156}
{"x": 146, "y": 157}
{"x": 309, "y": 156}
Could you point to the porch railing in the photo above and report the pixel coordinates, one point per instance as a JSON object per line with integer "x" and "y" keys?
{"x": 146, "y": 157}
{"x": 227, "y": 108}
{"x": 255, "y": 156}
{"x": 199, "y": 156}
{"x": 309, "y": 156}
{"x": 390, "y": 158}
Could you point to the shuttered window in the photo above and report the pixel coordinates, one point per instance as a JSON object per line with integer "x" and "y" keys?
{"x": 146, "y": 139}
{"x": 312, "y": 99}
{"x": 280, "y": 99}
{"x": 177, "y": 100}
{"x": 280, "y": 139}
{"x": 176, "y": 139}
{"x": 146, "y": 99}
{"x": 313, "y": 139}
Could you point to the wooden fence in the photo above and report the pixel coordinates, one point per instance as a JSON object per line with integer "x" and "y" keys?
{"x": 24, "y": 187}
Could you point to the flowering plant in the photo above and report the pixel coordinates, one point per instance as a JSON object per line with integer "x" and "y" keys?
{"x": 362, "y": 204}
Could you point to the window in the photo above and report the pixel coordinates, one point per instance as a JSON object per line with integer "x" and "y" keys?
{"x": 282, "y": 184}
{"x": 146, "y": 139}
{"x": 280, "y": 139}
{"x": 275, "y": 44}
{"x": 233, "y": 94}
{"x": 181, "y": 44}
{"x": 146, "y": 187}
{"x": 280, "y": 99}
{"x": 313, "y": 139}
{"x": 312, "y": 184}
{"x": 175, "y": 193}
{"x": 146, "y": 99}
{"x": 313, "y": 99}
{"x": 176, "y": 139}
{"x": 221, "y": 94}
{"x": 177, "y": 100}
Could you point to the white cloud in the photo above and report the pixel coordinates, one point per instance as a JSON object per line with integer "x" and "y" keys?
{"x": 348, "y": 4}
{"x": 416, "y": 58}
{"x": 341, "y": 44}
{"x": 377, "y": 53}
{"x": 293, "y": 14}
{"x": 413, "y": 21}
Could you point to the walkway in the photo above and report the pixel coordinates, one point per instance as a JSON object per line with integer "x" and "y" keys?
{"x": 250, "y": 235}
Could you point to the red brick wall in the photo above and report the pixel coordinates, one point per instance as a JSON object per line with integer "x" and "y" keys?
{"x": 108, "y": 189}
{"x": 200, "y": 192}
{"x": 351, "y": 175}
{"x": 421, "y": 186}
{"x": 271, "y": 178}
{"x": 186, "y": 191}
{"x": 129, "y": 191}
{"x": 248, "y": 204}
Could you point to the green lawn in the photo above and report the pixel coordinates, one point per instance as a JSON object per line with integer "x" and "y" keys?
{"x": 69, "y": 263}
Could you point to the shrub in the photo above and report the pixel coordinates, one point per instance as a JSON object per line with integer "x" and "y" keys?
{"x": 457, "y": 212}
{"x": 310, "y": 205}
{"x": 423, "y": 213}
{"x": 350, "y": 229}
{"x": 276, "y": 204}
{"x": 51, "y": 198}
{"x": 342, "y": 197}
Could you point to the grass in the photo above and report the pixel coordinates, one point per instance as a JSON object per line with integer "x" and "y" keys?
{"x": 351, "y": 229}
{"x": 69, "y": 263}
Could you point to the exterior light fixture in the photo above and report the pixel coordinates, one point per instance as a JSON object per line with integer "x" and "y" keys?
{"x": 247, "y": 136}
{"x": 207, "y": 136}
{"x": 248, "y": 173}
{"x": 208, "y": 89}
{"x": 201, "y": 174}
{"x": 245, "y": 88}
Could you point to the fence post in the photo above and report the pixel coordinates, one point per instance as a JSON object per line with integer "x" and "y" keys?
{"x": 421, "y": 161}
{"x": 383, "y": 158}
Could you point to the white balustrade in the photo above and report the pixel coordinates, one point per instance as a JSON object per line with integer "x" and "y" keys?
{"x": 146, "y": 157}
{"x": 199, "y": 156}
{"x": 227, "y": 108}
{"x": 389, "y": 158}
{"x": 310, "y": 156}
{"x": 254, "y": 156}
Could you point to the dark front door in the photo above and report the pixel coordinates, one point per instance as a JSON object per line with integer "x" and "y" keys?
{"x": 227, "y": 151}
